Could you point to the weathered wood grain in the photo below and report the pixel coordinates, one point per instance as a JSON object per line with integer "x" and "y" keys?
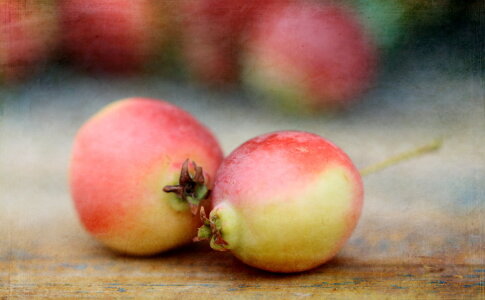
{"x": 196, "y": 272}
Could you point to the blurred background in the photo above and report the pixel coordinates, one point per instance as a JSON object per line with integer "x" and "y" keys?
{"x": 376, "y": 77}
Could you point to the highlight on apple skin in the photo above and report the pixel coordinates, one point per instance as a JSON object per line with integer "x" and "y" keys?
{"x": 309, "y": 57}
{"x": 122, "y": 159}
{"x": 28, "y": 37}
{"x": 284, "y": 202}
{"x": 114, "y": 36}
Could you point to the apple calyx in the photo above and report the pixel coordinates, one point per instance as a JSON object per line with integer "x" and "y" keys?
{"x": 211, "y": 230}
{"x": 191, "y": 188}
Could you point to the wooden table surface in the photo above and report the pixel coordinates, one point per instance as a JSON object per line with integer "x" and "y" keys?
{"x": 421, "y": 234}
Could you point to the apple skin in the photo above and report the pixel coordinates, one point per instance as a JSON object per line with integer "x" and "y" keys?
{"x": 28, "y": 37}
{"x": 286, "y": 201}
{"x": 309, "y": 57}
{"x": 121, "y": 160}
{"x": 212, "y": 34}
{"x": 114, "y": 36}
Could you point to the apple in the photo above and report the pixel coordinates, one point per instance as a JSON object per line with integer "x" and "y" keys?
{"x": 115, "y": 36}
{"x": 309, "y": 57}
{"x": 284, "y": 202}
{"x": 212, "y": 32}
{"x": 28, "y": 37}
{"x": 122, "y": 159}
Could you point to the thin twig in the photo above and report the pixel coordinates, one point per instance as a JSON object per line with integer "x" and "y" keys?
{"x": 433, "y": 146}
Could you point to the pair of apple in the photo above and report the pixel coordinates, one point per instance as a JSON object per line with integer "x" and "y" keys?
{"x": 303, "y": 56}
{"x": 113, "y": 36}
{"x": 284, "y": 201}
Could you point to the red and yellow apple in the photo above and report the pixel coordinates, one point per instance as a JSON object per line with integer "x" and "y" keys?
{"x": 309, "y": 56}
{"x": 122, "y": 159}
{"x": 28, "y": 37}
{"x": 284, "y": 202}
{"x": 114, "y": 36}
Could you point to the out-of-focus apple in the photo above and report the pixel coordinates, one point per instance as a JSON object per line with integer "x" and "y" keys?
{"x": 115, "y": 36}
{"x": 310, "y": 56}
{"x": 212, "y": 32}
{"x": 28, "y": 37}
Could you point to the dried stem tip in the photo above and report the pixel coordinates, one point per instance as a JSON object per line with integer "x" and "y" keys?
{"x": 192, "y": 188}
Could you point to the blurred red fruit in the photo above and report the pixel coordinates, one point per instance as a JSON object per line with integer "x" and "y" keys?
{"x": 28, "y": 36}
{"x": 114, "y": 36}
{"x": 212, "y": 32}
{"x": 310, "y": 56}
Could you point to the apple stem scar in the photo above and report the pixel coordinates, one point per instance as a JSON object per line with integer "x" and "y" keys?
{"x": 430, "y": 147}
{"x": 191, "y": 188}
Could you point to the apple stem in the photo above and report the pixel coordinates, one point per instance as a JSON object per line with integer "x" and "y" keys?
{"x": 433, "y": 146}
{"x": 192, "y": 189}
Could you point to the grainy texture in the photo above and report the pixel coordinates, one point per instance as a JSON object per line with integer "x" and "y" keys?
{"x": 422, "y": 230}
